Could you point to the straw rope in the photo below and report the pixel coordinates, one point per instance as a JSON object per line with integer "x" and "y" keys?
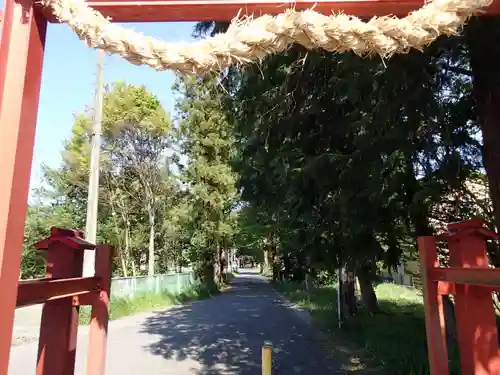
{"x": 251, "y": 39}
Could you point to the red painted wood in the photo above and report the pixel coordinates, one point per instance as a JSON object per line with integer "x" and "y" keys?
{"x": 488, "y": 277}
{"x": 32, "y": 292}
{"x": 466, "y": 224}
{"x": 446, "y": 288}
{"x": 433, "y": 306}
{"x": 225, "y": 10}
{"x": 1, "y": 22}
{"x": 96, "y": 359}
{"x": 73, "y": 239}
{"x": 59, "y": 324}
{"x": 21, "y": 56}
{"x": 475, "y": 316}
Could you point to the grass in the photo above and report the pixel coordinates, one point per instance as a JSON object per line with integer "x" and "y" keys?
{"x": 121, "y": 307}
{"x": 392, "y": 342}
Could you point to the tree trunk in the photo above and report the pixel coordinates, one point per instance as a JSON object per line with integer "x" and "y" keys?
{"x": 123, "y": 263}
{"x": 151, "y": 248}
{"x": 349, "y": 302}
{"x": 307, "y": 276}
{"x": 286, "y": 270}
{"x": 128, "y": 257}
{"x": 121, "y": 252}
{"x": 275, "y": 266}
{"x": 368, "y": 296}
{"x": 134, "y": 267}
{"x": 226, "y": 261}
{"x": 266, "y": 267}
{"x": 219, "y": 265}
{"x": 208, "y": 268}
{"x": 127, "y": 248}
{"x": 179, "y": 263}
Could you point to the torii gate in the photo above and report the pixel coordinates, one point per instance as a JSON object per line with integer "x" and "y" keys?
{"x": 23, "y": 33}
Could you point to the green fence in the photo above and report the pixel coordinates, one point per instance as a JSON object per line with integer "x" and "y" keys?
{"x": 130, "y": 287}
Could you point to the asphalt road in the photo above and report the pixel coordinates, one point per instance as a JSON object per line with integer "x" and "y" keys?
{"x": 218, "y": 336}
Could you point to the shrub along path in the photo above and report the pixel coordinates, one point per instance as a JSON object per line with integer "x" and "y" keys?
{"x": 218, "y": 336}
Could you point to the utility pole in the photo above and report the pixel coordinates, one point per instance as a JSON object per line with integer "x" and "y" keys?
{"x": 93, "y": 192}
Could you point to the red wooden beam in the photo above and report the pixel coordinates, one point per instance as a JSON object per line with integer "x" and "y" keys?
{"x": 32, "y": 292}
{"x": 225, "y": 10}
{"x": 478, "y": 276}
{"x": 447, "y": 287}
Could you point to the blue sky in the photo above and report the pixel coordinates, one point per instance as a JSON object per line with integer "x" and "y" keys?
{"x": 68, "y": 84}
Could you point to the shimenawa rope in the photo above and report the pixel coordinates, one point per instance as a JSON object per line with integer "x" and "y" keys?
{"x": 251, "y": 39}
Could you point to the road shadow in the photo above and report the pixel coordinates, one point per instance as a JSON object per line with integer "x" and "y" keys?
{"x": 225, "y": 334}
{"x": 208, "y": 334}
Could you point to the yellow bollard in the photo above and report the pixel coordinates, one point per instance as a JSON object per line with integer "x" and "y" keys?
{"x": 267, "y": 358}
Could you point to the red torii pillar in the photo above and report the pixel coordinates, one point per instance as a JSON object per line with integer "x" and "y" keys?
{"x": 475, "y": 314}
{"x": 21, "y": 57}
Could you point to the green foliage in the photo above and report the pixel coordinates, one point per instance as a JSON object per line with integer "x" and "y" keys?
{"x": 137, "y": 188}
{"x": 136, "y": 169}
{"x": 343, "y": 160}
{"x": 127, "y": 105}
{"x": 154, "y": 218}
{"x": 206, "y": 139}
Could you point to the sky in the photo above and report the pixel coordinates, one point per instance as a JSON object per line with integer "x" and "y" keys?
{"x": 68, "y": 84}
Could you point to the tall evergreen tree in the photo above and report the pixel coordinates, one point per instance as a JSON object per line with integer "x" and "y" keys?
{"x": 206, "y": 139}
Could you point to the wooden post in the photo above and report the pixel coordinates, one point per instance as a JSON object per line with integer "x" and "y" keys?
{"x": 96, "y": 359}
{"x": 434, "y": 311}
{"x": 476, "y": 324}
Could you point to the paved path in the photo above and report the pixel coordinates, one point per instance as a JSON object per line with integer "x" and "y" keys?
{"x": 219, "y": 336}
